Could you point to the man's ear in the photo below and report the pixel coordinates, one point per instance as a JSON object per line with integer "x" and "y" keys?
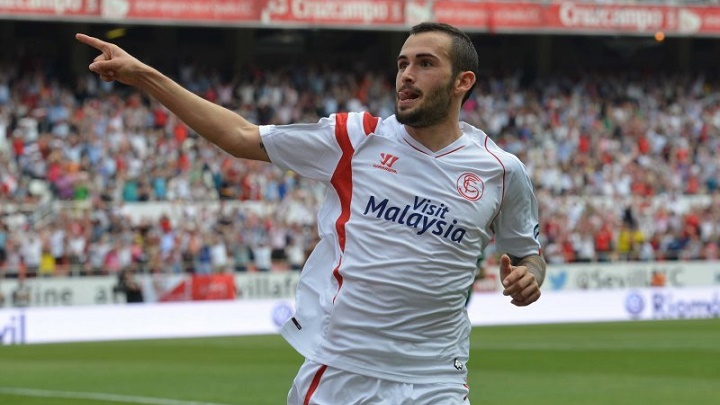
{"x": 465, "y": 81}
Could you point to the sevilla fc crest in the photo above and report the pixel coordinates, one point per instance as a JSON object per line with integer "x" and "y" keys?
{"x": 470, "y": 186}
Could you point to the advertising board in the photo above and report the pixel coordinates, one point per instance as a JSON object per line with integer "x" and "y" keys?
{"x": 251, "y": 317}
{"x": 559, "y": 17}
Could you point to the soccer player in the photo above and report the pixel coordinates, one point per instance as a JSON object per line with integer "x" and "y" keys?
{"x": 413, "y": 199}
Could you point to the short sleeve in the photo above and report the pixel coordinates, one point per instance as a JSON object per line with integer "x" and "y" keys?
{"x": 516, "y": 227}
{"x": 314, "y": 150}
{"x": 310, "y": 150}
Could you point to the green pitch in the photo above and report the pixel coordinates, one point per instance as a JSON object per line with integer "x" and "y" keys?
{"x": 634, "y": 363}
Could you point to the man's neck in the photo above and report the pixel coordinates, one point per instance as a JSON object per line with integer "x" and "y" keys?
{"x": 436, "y": 137}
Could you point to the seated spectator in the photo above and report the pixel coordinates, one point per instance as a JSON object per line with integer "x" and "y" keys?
{"x": 644, "y": 150}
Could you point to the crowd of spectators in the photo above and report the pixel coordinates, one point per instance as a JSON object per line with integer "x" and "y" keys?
{"x": 626, "y": 167}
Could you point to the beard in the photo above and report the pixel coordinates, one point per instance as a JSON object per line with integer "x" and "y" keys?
{"x": 432, "y": 110}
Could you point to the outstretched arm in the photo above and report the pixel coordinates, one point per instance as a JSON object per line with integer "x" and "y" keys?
{"x": 223, "y": 127}
{"x": 522, "y": 278}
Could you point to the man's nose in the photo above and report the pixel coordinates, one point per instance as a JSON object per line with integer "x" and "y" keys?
{"x": 407, "y": 75}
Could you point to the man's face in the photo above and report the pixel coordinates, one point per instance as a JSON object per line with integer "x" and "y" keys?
{"x": 424, "y": 81}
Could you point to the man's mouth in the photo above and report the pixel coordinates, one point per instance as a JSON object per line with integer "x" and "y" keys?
{"x": 407, "y": 96}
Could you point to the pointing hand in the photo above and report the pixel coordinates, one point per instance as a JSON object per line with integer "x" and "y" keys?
{"x": 113, "y": 63}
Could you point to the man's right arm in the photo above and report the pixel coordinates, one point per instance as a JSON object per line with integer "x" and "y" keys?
{"x": 223, "y": 127}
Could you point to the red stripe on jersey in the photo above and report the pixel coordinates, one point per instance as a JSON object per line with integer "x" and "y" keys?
{"x": 487, "y": 138}
{"x": 438, "y": 156}
{"x": 342, "y": 182}
{"x": 338, "y": 278}
{"x": 447, "y": 153}
{"x": 369, "y": 123}
{"x": 314, "y": 384}
{"x": 414, "y": 147}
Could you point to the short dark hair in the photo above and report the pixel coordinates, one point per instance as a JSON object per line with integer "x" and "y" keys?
{"x": 463, "y": 55}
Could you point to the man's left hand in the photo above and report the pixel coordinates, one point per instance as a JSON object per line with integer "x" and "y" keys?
{"x": 519, "y": 283}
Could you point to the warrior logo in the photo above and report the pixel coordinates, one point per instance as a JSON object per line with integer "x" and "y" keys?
{"x": 386, "y": 162}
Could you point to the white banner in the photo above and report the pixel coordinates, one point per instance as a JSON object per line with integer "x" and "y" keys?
{"x": 60, "y": 291}
{"x": 604, "y": 276}
{"x": 100, "y": 290}
{"x": 142, "y": 321}
{"x": 598, "y": 276}
{"x": 225, "y": 318}
{"x": 598, "y": 306}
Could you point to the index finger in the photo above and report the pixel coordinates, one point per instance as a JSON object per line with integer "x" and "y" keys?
{"x": 92, "y": 41}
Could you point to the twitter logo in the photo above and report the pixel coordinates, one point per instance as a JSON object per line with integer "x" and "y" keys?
{"x": 558, "y": 280}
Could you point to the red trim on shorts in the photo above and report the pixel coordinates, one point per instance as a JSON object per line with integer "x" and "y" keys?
{"x": 342, "y": 182}
{"x": 314, "y": 384}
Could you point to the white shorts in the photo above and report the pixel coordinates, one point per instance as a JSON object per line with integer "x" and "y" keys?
{"x": 316, "y": 384}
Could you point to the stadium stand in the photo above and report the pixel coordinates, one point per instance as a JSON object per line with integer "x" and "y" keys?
{"x": 94, "y": 180}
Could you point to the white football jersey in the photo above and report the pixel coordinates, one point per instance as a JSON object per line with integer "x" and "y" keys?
{"x": 401, "y": 229}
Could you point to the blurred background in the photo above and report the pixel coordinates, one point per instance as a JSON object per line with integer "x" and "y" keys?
{"x": 107, "y": 198}
{"x": 122, "y": 231}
